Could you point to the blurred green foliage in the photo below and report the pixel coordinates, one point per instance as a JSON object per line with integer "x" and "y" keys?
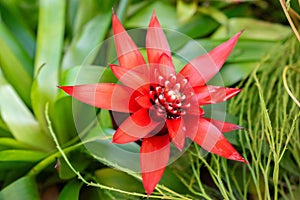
{"x": 45, "y": 43}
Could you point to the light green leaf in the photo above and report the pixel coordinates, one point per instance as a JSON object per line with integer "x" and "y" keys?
{"x": 23, "y": 189}
{"x": 71, "y": 190}
{"x": 10, "y": 143}
{"x": 87, "y": 9}
{"x": 254, "y": 29}
{"x": 48, "y": 55}
{"x": 21, "y": 155}
{"x": 84, "y": 43}
{"x": 165, "y": 12}
{"x": 185, "y": 10}
{"x": 15, "y": 63}
{"x": 20, "y": 120}
{"x": 66, "y": 108}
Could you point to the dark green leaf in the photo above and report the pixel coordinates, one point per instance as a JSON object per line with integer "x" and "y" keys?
{"x": 17, "y": 26}
{"x": 231, "y": 73}
{"x": 71, "y": 190}
{"x": 118, "y": 179}
{"x": 23, "y": 189}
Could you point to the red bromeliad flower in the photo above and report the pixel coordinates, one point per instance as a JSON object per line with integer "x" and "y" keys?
{"x": 162, "y": 106}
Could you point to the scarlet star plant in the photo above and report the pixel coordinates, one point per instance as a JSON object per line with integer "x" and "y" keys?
{"x": 162, "y": 106}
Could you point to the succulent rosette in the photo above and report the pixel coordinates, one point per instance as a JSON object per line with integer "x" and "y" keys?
{"x": 163, "y": 106}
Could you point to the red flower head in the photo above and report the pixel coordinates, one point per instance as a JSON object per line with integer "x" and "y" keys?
{"x": 163, "y": 106}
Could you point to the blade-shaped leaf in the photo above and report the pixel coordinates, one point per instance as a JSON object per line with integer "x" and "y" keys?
{"x": 21, "y": 155}
{"x": 85, "y": 42}
{"x": 20, "y": 120}
{"x": 71, "y": 190}
{"x": 15, "y": 22}
{"x": 23, "y": 189}
{"x": 15, "y": 64}
{"x": 48, "y": 55}
{"x": 254, "y": 29}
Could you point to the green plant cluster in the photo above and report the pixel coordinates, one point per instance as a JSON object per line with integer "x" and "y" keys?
{"x": 46, "y": 43}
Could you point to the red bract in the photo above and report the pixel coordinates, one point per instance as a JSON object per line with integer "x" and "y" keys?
{"x": 163, "y": 106}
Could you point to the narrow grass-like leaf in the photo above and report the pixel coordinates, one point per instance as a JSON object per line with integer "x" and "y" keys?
{"x": 48, "y": 54}
{"x": 23, "y": 189}
{"x": 15, "y": 64}
{"x": 20, "y": 120}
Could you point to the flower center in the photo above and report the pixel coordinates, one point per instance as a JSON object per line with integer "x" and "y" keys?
{"x": 169, "y": 98}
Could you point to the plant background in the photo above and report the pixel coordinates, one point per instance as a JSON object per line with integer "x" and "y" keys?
{"x": 44, "y": 43}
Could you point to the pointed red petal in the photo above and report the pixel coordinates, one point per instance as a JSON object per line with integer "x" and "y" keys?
{"x": 177, "y": 130}
{"x": 132, "y": 77}
{"x": 136, "y": 126}
{"x": 144, "y": 101}
{"x": 214, "y": 94}
{"x": 104, "y": 95}
{"x": 156, "y": 41}
{"x": 128, "y": 53}
{"x": 154, "y": 155}
{"x": 166, "y": 65}
{"x": 224, "y": 126}
{"x": 203, "y": 68}
{"x": 211, "y": 139}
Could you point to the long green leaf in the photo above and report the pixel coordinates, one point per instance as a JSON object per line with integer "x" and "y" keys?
{"x": 21, "y": 155}
{"x": 23, "y": 189}
{"x": 15, "y": 64}
{"x": 86, "y": 41}
{"x": 20, "y": 120}
{"x": 254, "y": 29}
{"x": 48, "y": 54}
{"x": 15, "y": 22}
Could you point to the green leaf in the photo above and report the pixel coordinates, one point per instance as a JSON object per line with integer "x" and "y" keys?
{"x": 15, "y": 22}
{"x": 23, "y": 189}
{"x": 118, "y": 179}
{"x": 198, "y": 26}
{"x": 185, "y": 10}
{"x": 66, "y": 108}
{"x": 165, "y": 12}
{"x": 50, "y": 36}
{"x": 86, "y": 10}
{"x": 20, "y": 120}
{"x": 231, "y": 73}
{"x": 78, "y": 160}
{"x": 71, "y": 190}
{"x": 254, "y": 30}
{"x": 85, "y": 42}
{"x": 21, "y": 155}
{"x": 101, "y": 147}
{"x": 10, "y": 143}
{"x": 15, "y": 63}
